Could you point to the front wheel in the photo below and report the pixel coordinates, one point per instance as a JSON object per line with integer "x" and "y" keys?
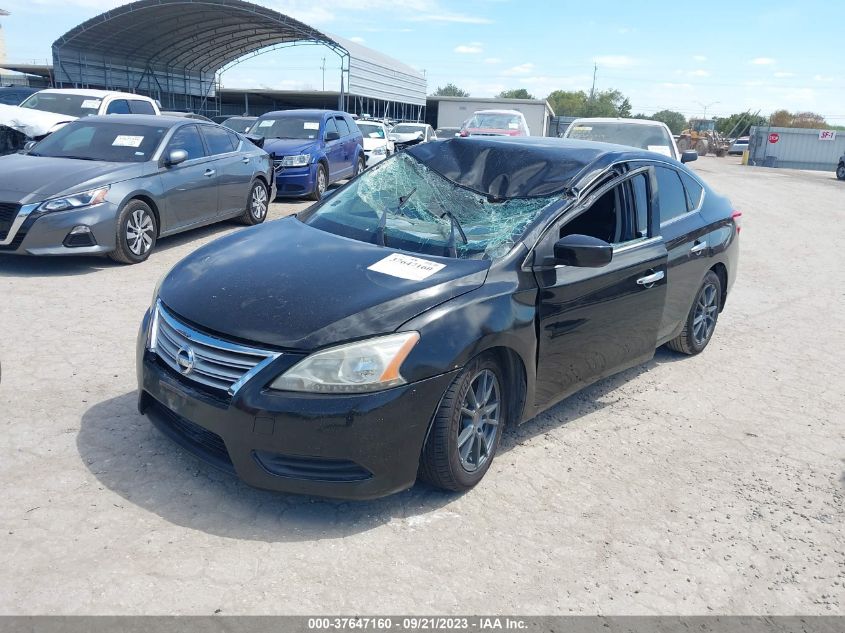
{"x": 136, "y": 233}
{"x": 257, "y": 205}
{"x": 840, "y": 172}
{"x": 702, "y": 317}
{"x": 467, "y": 428}
{"x": 321, "y": 183}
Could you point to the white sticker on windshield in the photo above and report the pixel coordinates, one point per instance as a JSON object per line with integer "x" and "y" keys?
{"x": 91, "y": 104}
{"x": 406, "y": 267}
{"x": 374, "y": 135}
{"x": 660, "y": 149}
{"x": 513, "y": 126}
{"x": 266, "y": 123}
{"x": 128, "y": 141}
{"x": 311, "y": 125}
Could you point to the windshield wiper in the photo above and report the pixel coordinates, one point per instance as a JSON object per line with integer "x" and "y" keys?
{"x": 454, "y": 223}
{"x": 382, "y": 222}
{"x": 78, "y": 157}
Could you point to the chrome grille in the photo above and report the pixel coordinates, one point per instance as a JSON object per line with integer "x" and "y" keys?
{"x": 203, "y": 358}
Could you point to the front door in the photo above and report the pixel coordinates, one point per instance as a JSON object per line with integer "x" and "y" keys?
{"x": 593, "y": 322}
{"x": 189, "y": 189}
{"x": 334, "y": 151}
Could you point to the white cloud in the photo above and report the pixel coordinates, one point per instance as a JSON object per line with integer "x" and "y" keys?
{"x": 700, "y": 73}
{"x": 456, "y": 18}
{"x": 762, "y": 61}
{"x": 614, "y": 61}
{"x": 492, "y": 60}
{"x": 676, "y": 86}
{"x": 472, "y": 48}
{"x": 522, "y": 69}
{"x": 781, "y": 73}
{"x": 700, "y": 58}
{"x": 823, "y": 78}
{"x": 357, "y": 39}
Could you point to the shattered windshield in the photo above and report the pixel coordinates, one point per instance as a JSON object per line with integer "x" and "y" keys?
{"x": 403, "y": 204}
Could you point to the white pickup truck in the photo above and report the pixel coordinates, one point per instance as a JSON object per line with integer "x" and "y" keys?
{"x": 48, "y": 110}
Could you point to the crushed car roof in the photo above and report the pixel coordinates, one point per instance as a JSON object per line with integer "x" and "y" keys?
{"x": 518, "y": 167}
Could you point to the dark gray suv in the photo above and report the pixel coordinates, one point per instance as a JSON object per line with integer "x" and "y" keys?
{"x": 115, "y": 184}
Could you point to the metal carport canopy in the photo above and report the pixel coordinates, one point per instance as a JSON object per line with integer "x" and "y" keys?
{"x": 182, "y": 44}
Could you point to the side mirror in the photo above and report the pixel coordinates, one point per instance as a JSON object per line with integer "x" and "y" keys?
{"x": 258, "y": 141}
{"x": 332, "y": 136}
{"x": 175, "y": 156}
{"x": 689, "y": 155}
{"x": 29, "y": 145}
{"x": 583, "y": 251}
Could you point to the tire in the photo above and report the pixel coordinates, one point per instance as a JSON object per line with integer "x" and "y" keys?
{"x": 683, "y": 144}
{"x": 321, "y": 182}
{"x": 449, "y": 462}
{"x": 258, "y": 203}
{"x": 137, "y": 230}
{"x": 840, "y": 171}
{"x": 360, "y": 166}
{"x": 701, "y": 147}
{"x": 701, "y": 320}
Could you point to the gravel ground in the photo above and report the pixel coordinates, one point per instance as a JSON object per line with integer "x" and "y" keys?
{"x": 699, "y": 485}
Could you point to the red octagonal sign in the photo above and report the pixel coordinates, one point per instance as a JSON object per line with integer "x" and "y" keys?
{"x": 774, "y": 137}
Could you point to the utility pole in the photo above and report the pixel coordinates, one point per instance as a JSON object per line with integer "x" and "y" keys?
{"x": 324, "y": 73}
{"x": 592, "y": 90}
{"x": 707, "y": 105}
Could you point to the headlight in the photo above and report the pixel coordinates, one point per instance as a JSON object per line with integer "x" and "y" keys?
{"x": 380, "y": 151}
{"x": 296, "y": 161}
{"x": 359, "y": 367}
{"x": 76, "y": 201}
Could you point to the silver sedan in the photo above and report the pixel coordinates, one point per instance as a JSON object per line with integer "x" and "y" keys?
{"x": 114, "y": 185}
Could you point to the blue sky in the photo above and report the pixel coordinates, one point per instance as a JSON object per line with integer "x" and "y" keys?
{"x": 748, "y": 55}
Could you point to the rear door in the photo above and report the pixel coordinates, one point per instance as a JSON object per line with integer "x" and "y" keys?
{"x": 349, "y": 145}
{"x": 686, "y": 242}
{"x": 593, "y": 322}
{"x": 190, "y": 188}
{"x": 234, "y": 172}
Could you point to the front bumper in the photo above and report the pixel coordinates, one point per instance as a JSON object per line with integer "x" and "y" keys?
{"x": 372, "y": 158}
{"x": 346, "y": 446}
{"x": 295, "y": 181}
{"x": 47, "y": 233}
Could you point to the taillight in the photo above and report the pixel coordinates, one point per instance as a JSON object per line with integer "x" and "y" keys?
{"x": 736, "y": 216}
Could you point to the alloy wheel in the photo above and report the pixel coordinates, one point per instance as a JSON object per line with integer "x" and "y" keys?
{"x": 706, "y": 312}
{"x": 139, "y": 232}
{"x": 258, "y": 203}
{"x": 479, "y": 421}
{"x": 321, "y": 181}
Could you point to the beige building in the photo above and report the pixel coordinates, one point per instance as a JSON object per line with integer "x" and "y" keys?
{"x": 2, "y": 38}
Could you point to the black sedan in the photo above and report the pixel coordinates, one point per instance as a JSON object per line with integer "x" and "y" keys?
{"x": 397, "y": 326}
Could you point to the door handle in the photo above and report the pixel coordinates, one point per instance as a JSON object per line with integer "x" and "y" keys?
{"x": 210, "y": 172}
{"x": 698, "y": 247}
{"x": 649, "y": 280}
{"x": 245, "y": 160}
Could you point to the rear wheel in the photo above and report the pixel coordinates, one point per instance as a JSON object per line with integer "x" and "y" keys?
{"x": 467, "y": 427}
{"x": 840, "y": 171}
{"x": 702, "y": 317}
{"x": 683, "y": 144}
{"x": 257, "y": 205}
{"x": 701, "y": 147}
{"x": 321, "y": 183}
{"x": 360, "y": 166}
{"x": 137, "y": 230}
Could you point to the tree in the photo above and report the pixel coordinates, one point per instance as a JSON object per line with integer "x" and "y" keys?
{"x": 578, "y": 103}
{"x": 625, "y": 108}
{"x": 518, "y": 93}
{"x": 568, "y": 103}
{"x": 675, "y": 120}
{"x": 784, "y": 118}
{"x": 450, "y": 90}
{"x": 739, "y": 124}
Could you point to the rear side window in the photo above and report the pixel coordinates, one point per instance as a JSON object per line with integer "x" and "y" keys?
{"x": 188, "y": 139}
{"x": 141, "y": 107}
{"x": 673, "y": 198}
{"x": 236, "y": 140}
{"x": 217, "y": 139}
{"x": 342, "y": 128}
{"x": 118, "y": 106}
{"x": 694, "y": 191}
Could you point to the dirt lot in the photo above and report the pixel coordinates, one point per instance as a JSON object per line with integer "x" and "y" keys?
{"x": 699, "y": 485}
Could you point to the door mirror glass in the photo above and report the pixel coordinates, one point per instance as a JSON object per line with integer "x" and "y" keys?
{"x": 689, "y": 155}
{"x": 176, "y": 156}
{"x": 29, "y": 145}
{"x": 583, "y": 251}
{"x": 332, "y": 136}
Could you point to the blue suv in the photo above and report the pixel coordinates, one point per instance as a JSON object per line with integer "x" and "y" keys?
{"x": 311, "y": 149}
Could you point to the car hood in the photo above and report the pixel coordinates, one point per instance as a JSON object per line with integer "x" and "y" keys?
{"x": 289, "y": 146}
{"x": 292, "y": 286}
{"x": 373, "y": 143}
{"x": 27, "y": 179}
{"x": 32, "y": 123}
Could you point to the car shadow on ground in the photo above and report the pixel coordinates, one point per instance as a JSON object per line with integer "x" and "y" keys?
{"x": 129, "y": 457}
